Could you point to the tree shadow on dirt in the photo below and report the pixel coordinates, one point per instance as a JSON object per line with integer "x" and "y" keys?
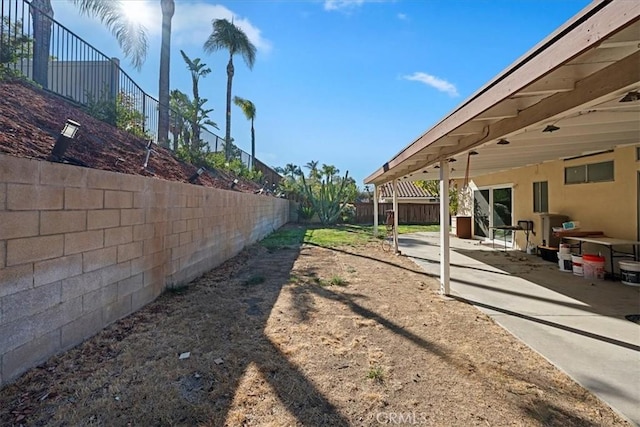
{"x": 378, "y": 260}
{"x": 249, "y": 308}
{"x": 220, "y": 320}
{"x": 304, "y": 292}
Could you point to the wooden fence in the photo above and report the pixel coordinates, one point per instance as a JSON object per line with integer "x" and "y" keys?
{"x": 408, "y": 213}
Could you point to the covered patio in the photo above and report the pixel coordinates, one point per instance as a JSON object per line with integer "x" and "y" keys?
{"x": 574, "y": 95}
{"x": 571, "y": 101}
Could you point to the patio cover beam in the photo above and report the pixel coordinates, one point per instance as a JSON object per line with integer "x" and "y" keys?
{"x": 375, "y": 210}
{"x": 395, "y": 216}
{"x": 445, "y": 253}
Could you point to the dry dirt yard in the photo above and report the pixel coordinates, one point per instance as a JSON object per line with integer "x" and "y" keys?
{"x": 347, "y": 336}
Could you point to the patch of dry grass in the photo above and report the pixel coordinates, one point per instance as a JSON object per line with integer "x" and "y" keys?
{"x": 272, "y": 345}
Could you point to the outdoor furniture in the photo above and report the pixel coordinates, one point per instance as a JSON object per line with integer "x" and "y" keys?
{"x": 610, "y": 243}
{"x": 523, "y": 225}
{"x": 577, "y": 233}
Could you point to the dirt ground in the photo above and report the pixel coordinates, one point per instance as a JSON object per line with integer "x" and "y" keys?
{"x": 349, "y": 336}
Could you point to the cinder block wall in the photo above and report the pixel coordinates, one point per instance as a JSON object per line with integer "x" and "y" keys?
{"x": 81, "y": 248}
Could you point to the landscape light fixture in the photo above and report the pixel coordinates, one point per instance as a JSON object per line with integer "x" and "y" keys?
{"x": 196, "y": 175}
{"x": 146, "y": 158}
{"x": 550, "y": 128}
{"x": 632, "y": 96}
{"x": 234, "y": 183}
{"x": 503, "y": 142}
{"x": 64, "y": 139}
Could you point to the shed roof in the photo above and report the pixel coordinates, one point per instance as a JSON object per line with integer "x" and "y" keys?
{"x": 405, "y": 190}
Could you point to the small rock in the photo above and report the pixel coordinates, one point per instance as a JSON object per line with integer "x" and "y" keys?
{"x": 185, "y": 355}
{"x": 218, "y": 361}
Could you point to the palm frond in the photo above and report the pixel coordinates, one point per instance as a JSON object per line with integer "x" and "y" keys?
{"x": 247, "y": 107}
{"x": 131, "y": 36}
{"x": 227, "y": 36}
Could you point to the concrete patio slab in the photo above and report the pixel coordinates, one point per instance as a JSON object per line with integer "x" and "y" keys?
{"x": 578, "y": 325}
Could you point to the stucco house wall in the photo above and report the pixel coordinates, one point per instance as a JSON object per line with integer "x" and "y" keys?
{"x": 611, "y": 207}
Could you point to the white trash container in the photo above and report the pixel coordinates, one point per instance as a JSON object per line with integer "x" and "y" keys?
{"x": 564, "y": 262}
{"x": 630, "y": 272}
{"x": 564, "y": 248}
{"x": 576, "y": 261}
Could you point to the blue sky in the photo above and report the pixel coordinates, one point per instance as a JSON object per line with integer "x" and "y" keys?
{"x": 344, "y": 82}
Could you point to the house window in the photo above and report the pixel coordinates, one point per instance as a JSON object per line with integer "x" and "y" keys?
{"x": 637, "y": 153}
{"x": 594, "y": 172}
{"x": 541, "y": 196}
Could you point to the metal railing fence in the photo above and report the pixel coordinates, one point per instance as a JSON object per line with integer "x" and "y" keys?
{"x": 74, "y": 69}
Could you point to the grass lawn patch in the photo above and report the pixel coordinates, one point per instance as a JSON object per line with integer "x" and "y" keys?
{"x": 405, "y": 229}
{"x": 285, "y": 237}
{"x": 333, "y": 236}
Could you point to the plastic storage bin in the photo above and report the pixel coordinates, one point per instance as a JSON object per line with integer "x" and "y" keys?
{"x": 593, "y": 267}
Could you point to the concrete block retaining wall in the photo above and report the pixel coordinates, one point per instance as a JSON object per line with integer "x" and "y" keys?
{"x": 81, "y": 248}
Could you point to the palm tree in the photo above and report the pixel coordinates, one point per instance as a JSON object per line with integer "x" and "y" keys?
{"x": 329, "y": 171}
{"x": 313, "y": 169}
{"x": 41, "y": 10}
{"x": 197, "y": 69}
{"x": 249, "y": 110}
{"x": 292, "y": 170}
{"x": 226, "y": 36}
{"x": 180, "y": 104}
{"x": 168, "y": 9}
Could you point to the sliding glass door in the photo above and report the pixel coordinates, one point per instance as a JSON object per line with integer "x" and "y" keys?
{"x": 493, "y": 207}
{"x": 481, "y": 213}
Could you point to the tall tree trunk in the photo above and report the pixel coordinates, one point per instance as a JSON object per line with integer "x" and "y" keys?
{"x": 227, "y": 134}
{"x": 195, "y": 127}
{"x": 253, "y": 146}
{"x": 168, "y": 9}
{"x": 42, "y": 40}
{"x": 195, "y": 130}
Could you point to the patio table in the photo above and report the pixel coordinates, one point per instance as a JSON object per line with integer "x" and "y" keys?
{"x": 525, "y": 226}
{"x": 610, "y": 243}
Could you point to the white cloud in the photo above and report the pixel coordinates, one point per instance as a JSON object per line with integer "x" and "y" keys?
{"x": 192, "y": 24}
{"x": 348, "y": 4}
{"x": 402, "y": 16}
{"x": 433, "y": 81}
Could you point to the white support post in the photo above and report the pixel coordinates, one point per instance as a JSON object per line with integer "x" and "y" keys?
{"x": 444, "y": 228}
{"x": 375, "y": 210}
{"x": 395, "y": 216}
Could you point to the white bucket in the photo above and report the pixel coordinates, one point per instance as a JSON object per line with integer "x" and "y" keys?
{"x": 564, "y": 248}
{"x": 564, "y": 262}
{"x": 630, "y": 272}
{"x": 593, "y": 266}
{"x": 576, "y": 260}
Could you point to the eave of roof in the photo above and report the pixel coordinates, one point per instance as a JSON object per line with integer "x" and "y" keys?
{"x": 585, "y": 31}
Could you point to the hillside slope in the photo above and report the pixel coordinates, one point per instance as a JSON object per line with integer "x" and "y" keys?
{"x": 31, "y": 120}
